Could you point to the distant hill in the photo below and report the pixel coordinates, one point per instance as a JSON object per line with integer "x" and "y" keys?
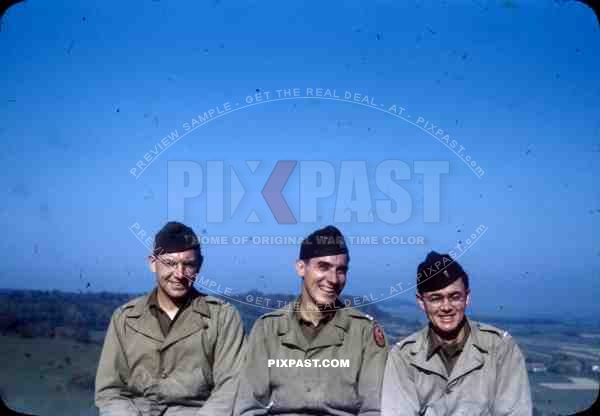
{"x": 407, "y": 306}
{"x": 44, "y": 370}
{"x": 34, "y": 313}
{"x": 85, "y": 316}
{"x": 515, "y": 320}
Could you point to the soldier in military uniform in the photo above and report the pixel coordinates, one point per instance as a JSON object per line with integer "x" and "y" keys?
{"x": 174, "y": 351}
{"x": 455, "y": 366}
{"x": 315, "y": 328}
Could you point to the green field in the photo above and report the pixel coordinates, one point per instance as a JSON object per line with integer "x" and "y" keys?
{"x": 559, "y": 402}
{"x": 52, "y": 341}
{"x": 48, "y": 376}
{"x": 55, "y": 376}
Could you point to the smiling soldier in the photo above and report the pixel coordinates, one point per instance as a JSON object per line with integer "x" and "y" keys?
{"x": 294, "y": 353}
{"x": 455, "y": 366}
{"x": 174, "y": 351}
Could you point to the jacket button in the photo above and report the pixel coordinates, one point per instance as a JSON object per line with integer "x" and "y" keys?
{"x": 448, "y": 390}
{"x": 308, "y": 389}
{"x": 164, "y": 375}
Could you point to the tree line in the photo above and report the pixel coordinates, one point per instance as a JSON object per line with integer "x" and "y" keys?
{"x": 31, "y": 313}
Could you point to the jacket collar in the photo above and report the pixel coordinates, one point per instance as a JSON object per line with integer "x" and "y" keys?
{"x": 140, "y": 318}
{"x": 331, "y": 334}
{"x": 436, "y": 343}
{"x": 471, "y": 358}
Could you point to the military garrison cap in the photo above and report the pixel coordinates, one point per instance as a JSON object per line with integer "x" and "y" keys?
{"x": 175, "y": 237}
{"x": 438, "y": 271}
{"x": 327, "y": 241}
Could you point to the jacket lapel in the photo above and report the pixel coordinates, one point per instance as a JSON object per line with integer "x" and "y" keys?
{"x": 333, "y": 332}
{"x": 141, "y": 320}
{"x": 418, "y": 353}
{"x": 471, "y": 358}
{"x": 290, "y": 331}
{"x": 189, "y": 322}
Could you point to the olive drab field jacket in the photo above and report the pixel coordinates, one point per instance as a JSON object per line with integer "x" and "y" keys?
{"x": 489, "y": 378}
{"x": 193, "y": 371}
{"x": 313, "y": 388}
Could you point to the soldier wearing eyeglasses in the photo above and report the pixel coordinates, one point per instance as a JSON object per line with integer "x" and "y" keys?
{"x": 454, "y": 366}
{"x": 174, "y": 351}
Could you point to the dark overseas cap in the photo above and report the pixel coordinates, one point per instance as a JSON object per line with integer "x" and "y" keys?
{"x": 327, "y": 241}
{"x": 175, "y": 237}
{"x": 438, "y": 271}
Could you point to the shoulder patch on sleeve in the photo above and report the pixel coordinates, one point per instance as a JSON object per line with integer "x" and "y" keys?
{"x": 378, "y": 335}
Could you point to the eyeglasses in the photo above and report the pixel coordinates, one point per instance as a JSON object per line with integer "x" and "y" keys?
{"x": 456, "y": 299}
{"x": 188, "y": 267}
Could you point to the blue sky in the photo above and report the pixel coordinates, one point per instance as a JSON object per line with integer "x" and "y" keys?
{"x": 89, "y": 89}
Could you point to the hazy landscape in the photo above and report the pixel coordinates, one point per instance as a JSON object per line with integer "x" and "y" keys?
{"x": 469, "y": 128}
{"x": 51, "y": 341}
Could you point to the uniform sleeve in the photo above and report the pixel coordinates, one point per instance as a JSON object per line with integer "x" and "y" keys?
{"x": 228, "y": 358}
{"x": 399, "y": 396}
{"x": 371, "y": 373}
{"x": 111, "y": 395}
{"x": 254, "y": 391}
{"x": 513, "y": 394}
